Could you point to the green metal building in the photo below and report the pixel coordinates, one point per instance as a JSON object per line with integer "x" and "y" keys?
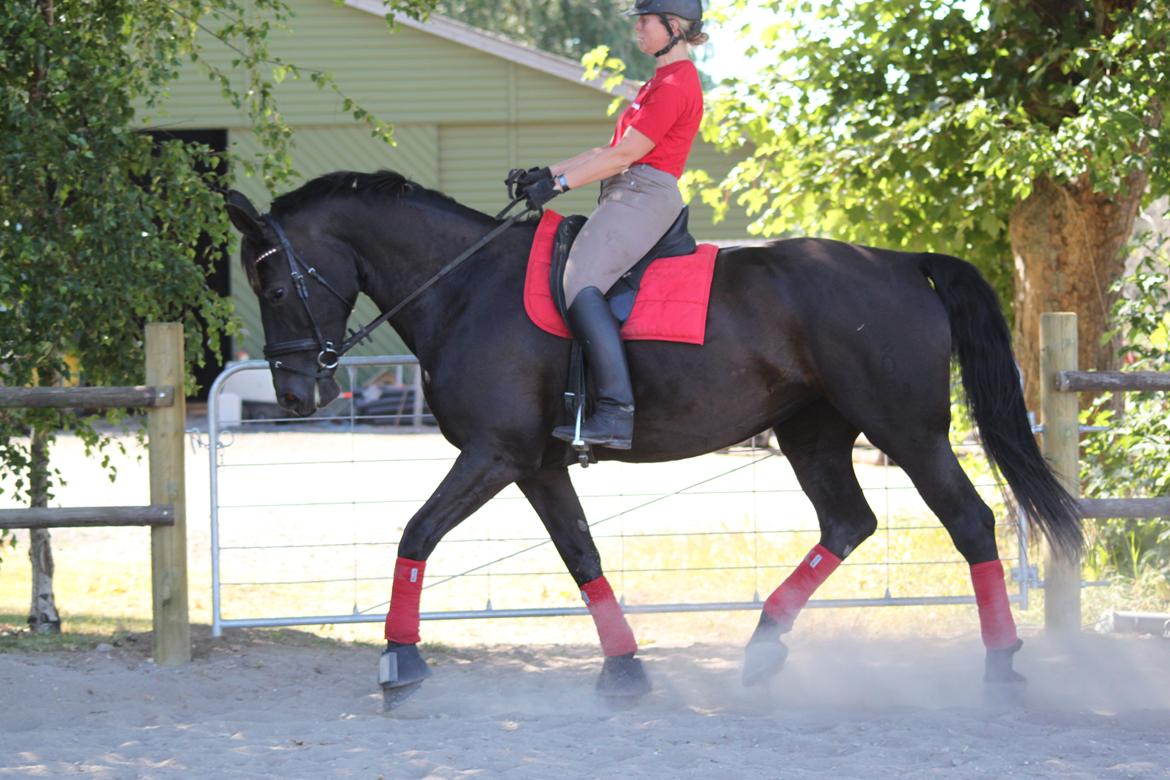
{"x": 466, "y": 106}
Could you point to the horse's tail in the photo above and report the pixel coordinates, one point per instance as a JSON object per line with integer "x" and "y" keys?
{"x": 982, "y": 342}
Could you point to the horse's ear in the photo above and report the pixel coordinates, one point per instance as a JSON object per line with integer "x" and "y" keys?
{"x": 244, "y": 215}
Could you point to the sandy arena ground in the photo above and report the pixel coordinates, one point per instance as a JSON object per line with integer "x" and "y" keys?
{"x": 506, "y": 702}
{"x": 251, "y": 707}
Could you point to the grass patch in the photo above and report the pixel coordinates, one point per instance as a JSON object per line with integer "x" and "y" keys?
{"x": 79, "y": 632}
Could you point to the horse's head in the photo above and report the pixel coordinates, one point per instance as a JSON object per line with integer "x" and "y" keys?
{"x": 307, "y": 283}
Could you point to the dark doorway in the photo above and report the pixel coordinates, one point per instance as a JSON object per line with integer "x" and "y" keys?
{"x": 213, "y": 258}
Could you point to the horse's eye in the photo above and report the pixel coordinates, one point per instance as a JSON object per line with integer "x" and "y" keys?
{"x": 275, "y": 294}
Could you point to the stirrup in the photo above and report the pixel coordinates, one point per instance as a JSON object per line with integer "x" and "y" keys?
{"x": 580, "y": 441}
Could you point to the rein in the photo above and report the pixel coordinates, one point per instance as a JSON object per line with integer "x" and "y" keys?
{"x": 328, "y": 355}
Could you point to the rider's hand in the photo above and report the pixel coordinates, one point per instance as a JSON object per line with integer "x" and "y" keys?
{"x": 512, "y": 182}
{"x": 541, "y": 191}
{"x": 533, "y": 175}
{"x": 519, "y": 180}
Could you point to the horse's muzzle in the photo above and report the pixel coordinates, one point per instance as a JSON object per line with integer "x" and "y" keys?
{"x": 309, "y": 397}
{"x": 327, "y": 391}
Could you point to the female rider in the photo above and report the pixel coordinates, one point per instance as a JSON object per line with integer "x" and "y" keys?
{"x": 639, "y": 200}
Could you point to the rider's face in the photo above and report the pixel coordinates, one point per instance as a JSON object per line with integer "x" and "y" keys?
{"x": 651, "y": 33}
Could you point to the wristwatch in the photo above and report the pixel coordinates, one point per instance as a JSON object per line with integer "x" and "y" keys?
{"x": 562, "y": 182}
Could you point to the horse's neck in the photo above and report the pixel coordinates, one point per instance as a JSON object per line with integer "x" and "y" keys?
{"x": 402, "y": 248}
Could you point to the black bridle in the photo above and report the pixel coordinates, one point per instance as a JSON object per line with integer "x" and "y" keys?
{"x": 328, "y": 354}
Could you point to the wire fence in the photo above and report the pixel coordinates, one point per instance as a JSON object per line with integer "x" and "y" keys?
{"x": 306, "y": 516}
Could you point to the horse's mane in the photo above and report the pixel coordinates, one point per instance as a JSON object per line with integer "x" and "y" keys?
{"x": 367, "y": 187}
{"x": 362, "y": 185}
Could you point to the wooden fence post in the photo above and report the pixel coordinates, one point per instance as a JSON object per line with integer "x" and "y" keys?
{"x": 168, "y": 544}
{"x": 1061, "y": 447}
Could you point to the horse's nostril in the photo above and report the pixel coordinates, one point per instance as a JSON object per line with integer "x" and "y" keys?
{"x": 291, "y": 398}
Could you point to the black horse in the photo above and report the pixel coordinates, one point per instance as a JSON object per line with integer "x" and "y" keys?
{"x": 816, "y": 339}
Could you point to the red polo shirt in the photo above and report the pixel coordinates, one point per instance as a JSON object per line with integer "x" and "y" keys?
{"x": 667, "y": 110}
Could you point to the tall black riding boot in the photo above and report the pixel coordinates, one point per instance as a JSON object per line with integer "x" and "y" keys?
{"x": 612, "y": 422}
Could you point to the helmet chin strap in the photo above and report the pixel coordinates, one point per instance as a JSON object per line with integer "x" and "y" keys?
{"x": 674, "y": 39}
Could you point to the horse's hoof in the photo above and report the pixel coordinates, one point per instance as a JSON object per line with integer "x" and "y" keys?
{"x": 762, "y": 660}
{"x": 1005, "y": 694}
{"x": 401, "y": 670}
{"x": 392, "y": 698}
{"x": 997, "y": 666}
{"x": 623, "y": 680}
{"x": 1003, "y": 685}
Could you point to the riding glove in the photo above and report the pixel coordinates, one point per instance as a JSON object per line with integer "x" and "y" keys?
{"x": 519, "y": 180}
{"x": 541, "y": 192}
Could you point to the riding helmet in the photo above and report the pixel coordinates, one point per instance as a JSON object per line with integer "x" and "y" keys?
{"x": 691, "y": 10}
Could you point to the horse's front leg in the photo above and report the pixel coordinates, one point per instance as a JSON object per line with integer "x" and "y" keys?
{"x": 552, "y": 495}
{"x": 470, "y": 483}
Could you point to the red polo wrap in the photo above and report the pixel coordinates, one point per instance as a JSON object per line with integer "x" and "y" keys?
{"x": 786, "y": 601}
{"x": 402, "y": 619}
{"x": 995, "y": 610}
{"x": 612, "y": 628}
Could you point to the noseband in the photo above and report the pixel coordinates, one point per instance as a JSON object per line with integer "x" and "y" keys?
{"x": 328, "y": 355}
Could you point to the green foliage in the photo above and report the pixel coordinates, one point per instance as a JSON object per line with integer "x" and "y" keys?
{"x": 601, "y": 64}
{"x": 1132, "y": 458}
{"x": 98, "y": 223}
{"x": 570, "y": 29}
{"x": 920, "y": 123}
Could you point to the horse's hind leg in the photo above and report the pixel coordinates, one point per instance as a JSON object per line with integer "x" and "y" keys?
{"x": 470, "y": 483}
{"x": 552, "y": 495}
{"x": 818, "y": 442}
{"x": 931, "y": 464}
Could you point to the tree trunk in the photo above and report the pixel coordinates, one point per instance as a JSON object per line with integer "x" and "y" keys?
{"x": 1067, "y": 245}
{"x": 42, "y": 615}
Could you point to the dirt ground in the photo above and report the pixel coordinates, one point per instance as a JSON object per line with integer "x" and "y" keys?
{"x": 290, "y": 705}
{"x": 515, "y": 699}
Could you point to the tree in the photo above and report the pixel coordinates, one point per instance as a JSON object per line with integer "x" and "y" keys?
{"x": 1020, "y": 135}
{"x": 565, "y": 27}
{"x": 1131, "y": 457}
{"x": 98, "y": 223}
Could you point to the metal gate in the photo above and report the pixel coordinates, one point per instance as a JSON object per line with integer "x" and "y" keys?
{"x": 306, "y": 515}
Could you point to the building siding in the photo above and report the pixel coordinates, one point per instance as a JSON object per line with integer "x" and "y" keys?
{"x": 462, "y": 117}
{"x": 409, "y": 76}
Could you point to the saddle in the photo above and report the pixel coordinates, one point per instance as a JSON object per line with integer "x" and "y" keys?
{"x": 675, "y": 242}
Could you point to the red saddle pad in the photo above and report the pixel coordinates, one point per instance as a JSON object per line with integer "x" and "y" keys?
{"x": 672, "y": 299}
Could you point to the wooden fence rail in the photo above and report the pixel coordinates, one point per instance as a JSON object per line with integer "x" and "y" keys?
{"x": 1101, "y": 381}
{"x": 1060, "y": 381}
{"x": 166, "y": 514}
{"x": 86, "y": 397}
{"x": 1144, "y": 508}
{"x": 88, "y": 517}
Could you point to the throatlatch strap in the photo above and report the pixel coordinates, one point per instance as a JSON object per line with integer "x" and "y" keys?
{"x": 612, "y": 628}
{"x": 786, "y": 601}
{"x": 402, "y": 619}
{"x": 995, "y": 610}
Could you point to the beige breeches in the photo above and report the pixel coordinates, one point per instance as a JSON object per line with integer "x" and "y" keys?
{"x": 635, "y": 208}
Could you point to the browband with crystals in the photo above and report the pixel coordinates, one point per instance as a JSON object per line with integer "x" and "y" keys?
{"x": 267, "y": 254}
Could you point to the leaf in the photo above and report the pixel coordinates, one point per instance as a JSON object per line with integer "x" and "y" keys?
{"x": 98, "y": 223}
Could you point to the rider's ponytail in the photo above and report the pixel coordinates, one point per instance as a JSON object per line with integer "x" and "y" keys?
{"x": 692, "y": 31}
